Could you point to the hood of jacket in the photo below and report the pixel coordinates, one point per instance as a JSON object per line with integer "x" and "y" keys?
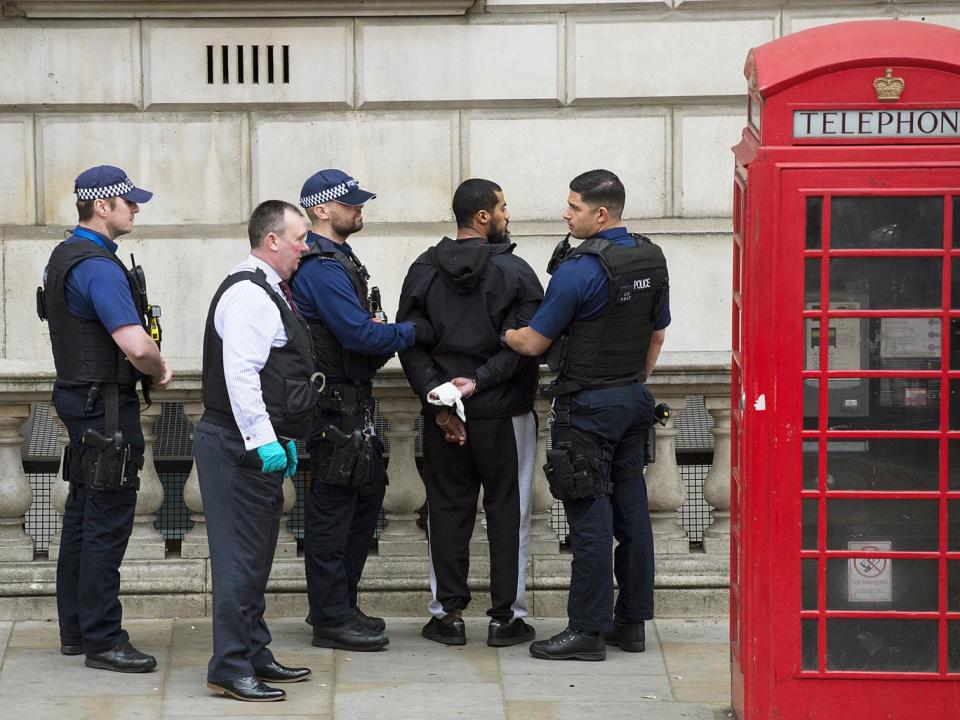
{"x": 461, "y": 263}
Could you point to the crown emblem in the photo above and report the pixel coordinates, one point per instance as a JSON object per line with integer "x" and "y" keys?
{"x": 889, "y": 87}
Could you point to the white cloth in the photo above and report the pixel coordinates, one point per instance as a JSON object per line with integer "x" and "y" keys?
{"x": 249, "y": 324}
{"x": 448, "y": 394}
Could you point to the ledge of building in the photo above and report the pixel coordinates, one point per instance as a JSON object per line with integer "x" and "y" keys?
{"x": 694, "y": 585}
{"x": 229, "y": 8}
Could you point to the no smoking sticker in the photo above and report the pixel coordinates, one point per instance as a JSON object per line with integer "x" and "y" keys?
{"x": 870, "y": 579}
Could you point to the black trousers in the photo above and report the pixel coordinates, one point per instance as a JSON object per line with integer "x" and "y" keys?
{"x": 617, "y": 418}
{"x": 96, "y": 529}
{"x": 499, "y": 456}
{"x": 242, "y": 508}
{"x": 338, "y": 531}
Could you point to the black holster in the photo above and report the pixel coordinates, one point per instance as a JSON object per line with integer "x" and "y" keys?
{"x": 352, "y": 458}
{"x": 109, "y": 463}
{"x": 575, "y": 463}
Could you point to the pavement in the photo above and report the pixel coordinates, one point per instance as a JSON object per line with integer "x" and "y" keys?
{"x": 684, "y": 674}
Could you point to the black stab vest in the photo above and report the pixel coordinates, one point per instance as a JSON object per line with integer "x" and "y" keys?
{"x": 285, "y": 380}
{"x": 612, "y": 349}
{"x": 83, "y": 350}
{"x": 331, "y": 358}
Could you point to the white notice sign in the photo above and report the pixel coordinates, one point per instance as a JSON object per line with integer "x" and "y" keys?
{"x": 870, "y": 579}
{"x": 932, "y": 122}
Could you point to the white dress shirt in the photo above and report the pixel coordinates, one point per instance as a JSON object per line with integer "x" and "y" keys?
{"x": 249, "y": 324}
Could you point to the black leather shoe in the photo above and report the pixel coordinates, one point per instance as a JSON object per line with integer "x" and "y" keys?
{"x": 504, "y": 634}
{"x": 570, "y": 645}
{"x": 629, "y": 637}
{"x": 248, "y": 689}
{"x": 66, "y": 649}
{"x": 123, "y": 658}
{"x": 448, "y": 633}
{"x": 352, "y": 635}
{"x": 377, "y": 624}
{"x": 275, "y": 672}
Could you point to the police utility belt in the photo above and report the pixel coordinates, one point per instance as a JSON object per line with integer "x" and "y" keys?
{"x": 355, "y": 445}
{"x": 107, "y": 461}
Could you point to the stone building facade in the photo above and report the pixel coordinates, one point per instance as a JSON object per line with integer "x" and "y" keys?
{"x": 216, "y": 105}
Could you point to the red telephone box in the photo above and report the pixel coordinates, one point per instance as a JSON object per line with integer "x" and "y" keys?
{"x": 845, "y": 542}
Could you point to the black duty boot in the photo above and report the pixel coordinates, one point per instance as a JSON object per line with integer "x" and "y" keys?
{"x": 628, "y": 636}
{"x": 248, "y": 689}
{"x": 352, "y": 635}
{"x": 504, "y": 634}
{"x": 122, "y": 658}
{"x": 449, "y": 631}
{"x": 377, "y": 624}
{"x": 570, "y": 645}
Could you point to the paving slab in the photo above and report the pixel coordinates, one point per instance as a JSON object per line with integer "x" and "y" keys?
{"x": 713, "y": 630}
{"x": 619, "y": 710}
{"x": 419, "y": 701}
{"x": 28, "y": 671}
{"x": 6, "y": 629}
{"x": 699, "y": 671}
{"x": 587, "y": 688}
{"x": 27, "y": 705}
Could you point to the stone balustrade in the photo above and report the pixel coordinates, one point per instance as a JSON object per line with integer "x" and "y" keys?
{"x": 157, "y": 582}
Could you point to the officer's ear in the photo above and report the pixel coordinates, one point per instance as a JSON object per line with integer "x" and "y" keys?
{"x": 603, "y": 215}
{"x": 483, "y": 217}
{"x": 272, "y": 241}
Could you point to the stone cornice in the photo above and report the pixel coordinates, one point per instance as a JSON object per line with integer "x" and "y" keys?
{"x": 229, "y": 8}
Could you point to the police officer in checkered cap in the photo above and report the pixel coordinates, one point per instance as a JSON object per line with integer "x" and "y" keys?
{"x": 101, "y": 350}
{"x": 351, "y": 341}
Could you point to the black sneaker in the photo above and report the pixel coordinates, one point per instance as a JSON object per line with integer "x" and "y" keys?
{"x": 629, "y": 637}
{"x": 570, "y": 645}
{"x": 448, "y": 633}
{"x": 377, "y": 624}
{"x": 352, "y": 635}
{"x": 504, "y": 634}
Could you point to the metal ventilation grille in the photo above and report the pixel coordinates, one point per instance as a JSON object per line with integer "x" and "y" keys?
{"x": 248, "y": 64}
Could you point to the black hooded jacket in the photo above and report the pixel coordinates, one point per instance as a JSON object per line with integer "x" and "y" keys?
{"x": 471, "y": 291}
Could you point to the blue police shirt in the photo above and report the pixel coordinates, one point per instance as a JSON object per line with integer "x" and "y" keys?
{"x": 97, "y": 289}
{"x": 578, "y": 291}
{"x": 322, "y": 290}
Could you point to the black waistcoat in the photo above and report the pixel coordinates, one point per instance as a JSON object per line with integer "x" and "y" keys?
{"x": 83, "y": 350}
{"x": 285, "y": 380}
{"x": 612, "y": 349}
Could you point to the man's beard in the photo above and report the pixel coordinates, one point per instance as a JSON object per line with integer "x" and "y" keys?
{"x": 347, "y": 228}
{"x": 499, "y": 238}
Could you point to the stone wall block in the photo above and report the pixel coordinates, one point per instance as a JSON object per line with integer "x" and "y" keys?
{"x": 535, "y": 158}
{"x": 612, "y": 57}
{"x": 70, "y": 63}
{"x": 705, "y": 162}
{"x": 27, "y": 338}
{"x": 459, "y": 62}
{"x": 408, "y": 159}
{"x": 17, "y": 205}
{"x": 194, "y": 163}
{"x": 804, "y": 19}
{"x": 266, "y": 62}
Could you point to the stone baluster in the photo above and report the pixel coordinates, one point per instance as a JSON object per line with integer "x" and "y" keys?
{"x": 716, "y": 486}
{"x": 60, "y": 489}
{"x": 479, "y": 543}
{"x": 195, "y": 543}
{"x": 16, "y": 495}
{"x": 543, "y": 538}
{"x": 286, "y": 540}
{"x": 405, "y": 493}
{"x": 146, "y": 542}
{"x": 665, "y": 488}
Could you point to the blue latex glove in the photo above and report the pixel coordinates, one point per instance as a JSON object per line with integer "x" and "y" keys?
{"x": 291, "y": 459}
{"x": 272, "y": 456}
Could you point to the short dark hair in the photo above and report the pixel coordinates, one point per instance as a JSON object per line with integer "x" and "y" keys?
{"x": 85, "y": 208}
{"x": 601, "y": 188}
{"x": 268, "y": 218}
{"x": 471, "y": 197}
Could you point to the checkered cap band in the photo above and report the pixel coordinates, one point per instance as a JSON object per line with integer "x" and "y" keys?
{"x": 102, "y": 193}
{"x": 337, "y": 191}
